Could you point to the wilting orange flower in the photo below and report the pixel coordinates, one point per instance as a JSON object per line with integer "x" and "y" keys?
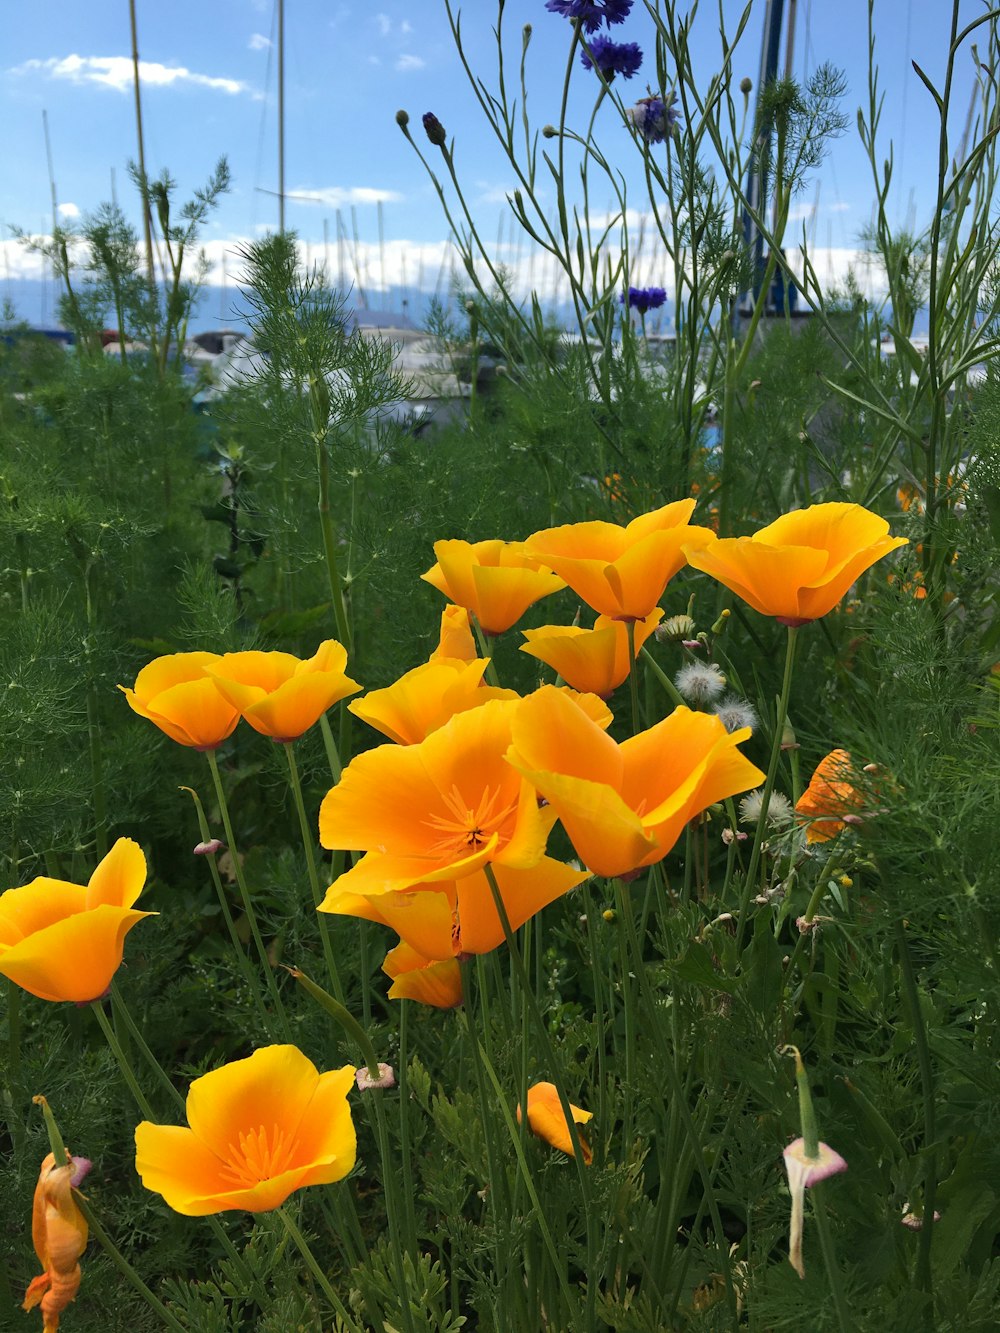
{"x": 260, "y": 1129}
{"x": 801, "y": 565}
{"x": 280, "y": 695}
{"x": 64, "y": 941}
{"x": 455, "y": 640}
{"x": 624, "y": 806}
{"x": 547, "y": 1119}
{"x": 621, "y": 571}
{"x": 426, "y": 698}
{"x": 59, "y": 1235}
{"x": 595, "y": 661}
{"x": 496, "y": 581}
{"x": 177, "y": 695}
{"x": 430, "y": 981}
{"x": 436, "y": 811}
{"x": 829, "y": 797}
{"x": 453, "y": 919}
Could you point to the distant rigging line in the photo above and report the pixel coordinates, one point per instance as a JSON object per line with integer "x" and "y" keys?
{"x": 263, "y": 117}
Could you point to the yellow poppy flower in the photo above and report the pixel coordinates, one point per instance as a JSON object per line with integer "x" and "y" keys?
{"x": 260, "y": 1129}
{"x": 455, "y": 640}
{"x": 178, "y": 696}
{"x": 59, "y": 1235}
{"x": 438, "y": 810}
{"x": 63, "y": 941}
{"x": 624, "y": 806}
{"x": 282, "y": 696}
{"x": 621, "y": 571}
{"x": 829, "y": 797}
{"x": 430, "y": 981}
{"x": 426, "y": 698}
{"x": 547, "y": 1119}
{"x": 595, "y": 661}
{"x": 454, "y": 919}
{"x": 800, "y": 566}
{"x": 496, "y": 581}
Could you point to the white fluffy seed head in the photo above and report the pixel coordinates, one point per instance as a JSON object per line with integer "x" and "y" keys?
{"x": 700, "y": 682}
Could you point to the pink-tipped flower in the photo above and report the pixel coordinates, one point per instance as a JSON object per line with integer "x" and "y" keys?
{"x": 805, "y": 1171}
{"x": 366, "y": 1083}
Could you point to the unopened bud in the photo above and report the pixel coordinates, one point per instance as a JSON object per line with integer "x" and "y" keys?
{"x": 549, "y": 132}
{"x": 788, "y": 740}
{"x": 402, "y": 118}
{"x": 434, "y": 130}
{"x": 209, "y": 848}
{"x": 746, "y": 86}
{"x": 609, "y": 915}
{"x": 720, "y": 624}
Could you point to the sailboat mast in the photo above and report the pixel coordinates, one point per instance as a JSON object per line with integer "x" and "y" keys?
{"x": 281, "y": 115}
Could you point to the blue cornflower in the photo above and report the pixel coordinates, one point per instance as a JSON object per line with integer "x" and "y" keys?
{"x": 644, "y": 298}
{"x": 654, "y": 117}
{"x": 591, "y": 13}
{"x": 612, "y": 58}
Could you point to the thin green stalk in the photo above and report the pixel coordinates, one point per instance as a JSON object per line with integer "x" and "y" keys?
{"x": 123, "y": 1063}
{"x": 923, "y": 1274}
{"x": 123, "y": 1265}
{"x": 246, "y": 968}
{"x": 321, "y": 1278}
{"x": 670, "y": 689}
{"x": 484, "y": 650}
{"x": 405, "y": 1150}
{"x": 829, "y": 1252}
{"x": 633, "y": 682}
{"x": 248, "y": 907}
{"x": 772, "y": 770}
{"x": 330, "y": 540}
{"x": 317, "y": 892}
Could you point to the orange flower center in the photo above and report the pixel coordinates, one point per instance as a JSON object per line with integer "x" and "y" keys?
{"x": 258, "y": 1156}
{"x": 468, "y": 829}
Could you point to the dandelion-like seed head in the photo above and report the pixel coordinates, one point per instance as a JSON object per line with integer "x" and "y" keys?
{"x": 700, "y": 682}
{"x": 779, "y": 809}
{"x": 676, "y": 627}
{"x": 735, "y": 713}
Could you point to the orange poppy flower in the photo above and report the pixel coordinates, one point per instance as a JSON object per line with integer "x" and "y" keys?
{"x": 455, "y": 640}
{"x": 426, "y": 698}
{"x": 624, "y": 806}
{"x": 260, "y": 1129}
{"x": 621, "y": 571}
{"x": 280, "y": 695}
{"x": 450, "y": 919}
{"x": 595, "y": 661}
{"x": 547, "y": 1119}
{"x": 433, "y": 982}
{"x": 496, "y": 581}
{"x": 63, "y": 941}
{"x": 59, "y": 1235}
{"x": 829, "y": 797}
{"x": 438, "y": 810}
{"x": 178, "y": 696}
{"x": 800, "y": 566}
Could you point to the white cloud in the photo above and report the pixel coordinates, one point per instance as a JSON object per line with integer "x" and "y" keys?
{"x": 384, "y": 24}
{"x": 335, "y": 196}
{"x": 116, "y": 72}
{"x": 258, "y": 42}
{"x": 406, "y": 27}
{"x": 69, "y": 210}
{"x": 407, "y": 62}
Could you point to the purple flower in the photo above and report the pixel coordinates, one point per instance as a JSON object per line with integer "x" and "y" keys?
{"x": 654, "y": 117}
{"x": 612, "y": 58}
{"x": 591, "y": 13}
{"x": 644, "y": 298}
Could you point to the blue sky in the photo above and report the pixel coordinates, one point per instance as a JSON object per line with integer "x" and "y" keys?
{"x": 209, "y": 87}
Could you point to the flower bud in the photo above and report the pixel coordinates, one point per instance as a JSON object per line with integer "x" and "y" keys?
{"x": 434, "y": 130}
{"x": 746, "y": 85}
{"x": 549, "y": 132}
{"x": 209, "y": 848}
{"x": 402, "y": 118}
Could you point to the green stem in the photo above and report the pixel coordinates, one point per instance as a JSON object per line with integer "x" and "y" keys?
{"x": 330, "y": 542}
{"x": 672, "y": 693}
{"x": 633, "y": 681}
{"x": 826, "y": 1245}
{"x": 122, "y": 1059}
{"x": 337, "y": 1011}
{"x": 321, "y": 1279}
{"x": 923, "y": 1275}
{"x": 772, "y": 770}
{"x": 248, "y": 907}
{"x": 484, "y": 650}
{"x": 317, "y": 892}
{"x": 249, "y": 975}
